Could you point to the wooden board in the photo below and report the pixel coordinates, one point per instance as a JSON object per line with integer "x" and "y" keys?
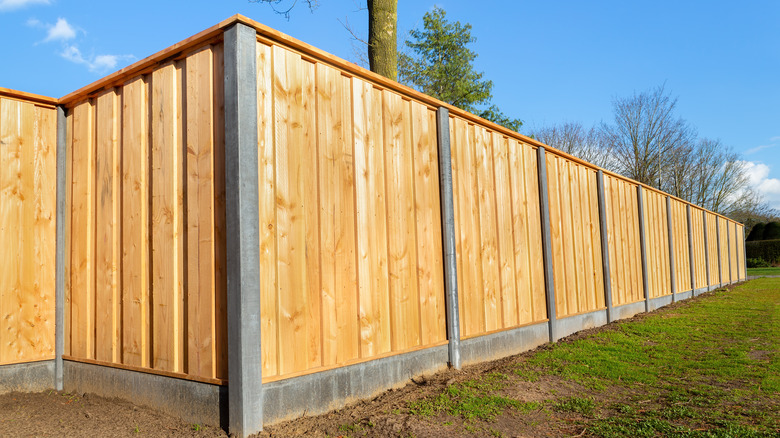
{"x": 136, "y": 237}
{"x": 107, "y": 239}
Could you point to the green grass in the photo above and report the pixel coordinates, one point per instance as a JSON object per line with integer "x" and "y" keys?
{"x": 477, "y": 399}
{"x": 708, "y": 369}
{"x": 763, "y": 271}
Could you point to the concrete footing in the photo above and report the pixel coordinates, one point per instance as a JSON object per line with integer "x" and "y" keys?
{"x": 503, "y": 344}
{"x": 195, "y": 402}
{"x": 27, "y": 377}
{"x": 321, "y": 392}
{"x": 572, "y": 324}
{"x": 628, "y": 310}
{"x": 657, "y": 303}
{"x": 684, "y": 295}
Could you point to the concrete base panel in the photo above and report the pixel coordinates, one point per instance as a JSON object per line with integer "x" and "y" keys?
{"x": 698, "y": 292}
{"x": 503, "y": 344}
{"x": 628, "y": 310}
{"x": 27, "y": 377}
{"x": 684, "y": 295}
{"x": 321, "y": 392}
{"x": 193, "y": 402}
{"x": 657, "y": 303}
{"x": 573, "y": 324}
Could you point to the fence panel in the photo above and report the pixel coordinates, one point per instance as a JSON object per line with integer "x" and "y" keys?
{"x": 657, "y": 243}
{"x": 576, "y": 238}
{"x": 699, "y": 251}
{"x": 350, "y": 245}
{"x": 146, "y": 285}
{"x": 625, "y": 258}
{"x": 723, "y": 251}
{"x": 498, "y": 230}
{"x": 739, "y": 238}
{"x": 712, "y": 248}
{"x": 28, "y": 176}
{"x": 682, "y": 266}
{"x": 734, "y": 243}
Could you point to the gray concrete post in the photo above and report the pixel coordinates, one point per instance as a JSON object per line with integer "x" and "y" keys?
{"x": 692, "y": 266}
{"x": 604, "y": 246}
{"x": 59, "y": 275}
{"x": 706, "y": 249}
{"x": 720, "y": 262}
{"x": 643, "y": 246}
{"x": 245, "y": 407}
{"x": 448, "y": 236}
{"x": 549, "y": 279}
{"x": 670, "y": 227}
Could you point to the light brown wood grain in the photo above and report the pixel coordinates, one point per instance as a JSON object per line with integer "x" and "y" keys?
{"x": 107, "y": 239}
{"x": 136, "y": 237}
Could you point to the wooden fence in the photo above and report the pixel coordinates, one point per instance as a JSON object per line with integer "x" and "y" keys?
{"x": 351, "y": 254}
{"x": 145, "y": 284}
{"x": 28, "y": 157}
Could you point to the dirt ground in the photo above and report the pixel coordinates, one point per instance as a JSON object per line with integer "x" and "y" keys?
{"x": 57, "y": 414}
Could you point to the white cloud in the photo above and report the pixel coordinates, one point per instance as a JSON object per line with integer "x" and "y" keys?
{"x": 752, "y": 151}
{"x": 97, "y": 63}
{"x": 61, "y": 31}
{"x": 768, "y": 187}
{"x": 9, "y": 5}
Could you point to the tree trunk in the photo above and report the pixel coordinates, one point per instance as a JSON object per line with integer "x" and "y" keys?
{"x": 382, "y": 37}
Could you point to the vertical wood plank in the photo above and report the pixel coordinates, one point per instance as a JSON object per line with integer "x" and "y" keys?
{"x": 556, "y": 233}
{"x": 266, "y": 161}
{"x": 487, "y": 222}
{"x": 135, "y": 224}
{"x": 45, "y": 146}
{"x": 533, "y": 212}
{"x": 506, "y": 231}
{"x": 83, "y": 233}
{"x": 430, "y": 274}
{"x": 404, "y": 297}
{"x": 513, "y": 173}
{"x": 107, "y": 239}
{"x": 200, "y": 160}
{"x": 166, "y": 220}
{"x": 337, "y": 216}
{"x": 371, "y": 222}
{"x": 220, "y": 244}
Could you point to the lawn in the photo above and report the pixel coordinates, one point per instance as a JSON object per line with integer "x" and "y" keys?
{"x": 706, "y": 367}
{"x": 763, "y": 271}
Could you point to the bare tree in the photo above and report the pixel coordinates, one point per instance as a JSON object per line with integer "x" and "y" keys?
{"x": 573, "y": 138}
{"x": 644, "y": 134}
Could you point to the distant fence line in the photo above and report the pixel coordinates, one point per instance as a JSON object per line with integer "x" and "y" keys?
{"x": 348, "y": 218}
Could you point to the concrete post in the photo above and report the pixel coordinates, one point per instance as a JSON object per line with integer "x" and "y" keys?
{"x": 245, "y": 398}
{"x": 448, "y": 236}
{"x": 605, "y": 246}
{"x": 717, "y": 242}
{"x": 59, "y": 275}
{"x": 643, "y": 246}
{"x": 706, "y": 249}
{"x": 690, "y": 249}
{"x": 670, "y": 227}
{"x": 549, "y": 279}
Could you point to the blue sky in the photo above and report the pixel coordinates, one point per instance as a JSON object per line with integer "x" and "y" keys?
{"x": 550, "y": 61}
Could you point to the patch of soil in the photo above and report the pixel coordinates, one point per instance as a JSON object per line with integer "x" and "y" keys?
{"x": 57, "y": 414}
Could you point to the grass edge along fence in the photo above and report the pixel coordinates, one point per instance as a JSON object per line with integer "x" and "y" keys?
{"x": 244, "y": 211}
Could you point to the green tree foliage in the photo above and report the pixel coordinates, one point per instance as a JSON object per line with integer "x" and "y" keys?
{"x": 756, "y": 233}
{"x": 441, "y": 66}
{"x": 772, "y": 231}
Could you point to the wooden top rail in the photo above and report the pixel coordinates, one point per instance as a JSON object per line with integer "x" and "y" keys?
{"x": 265, "y": 33}
{"x": 35, "y": 98}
